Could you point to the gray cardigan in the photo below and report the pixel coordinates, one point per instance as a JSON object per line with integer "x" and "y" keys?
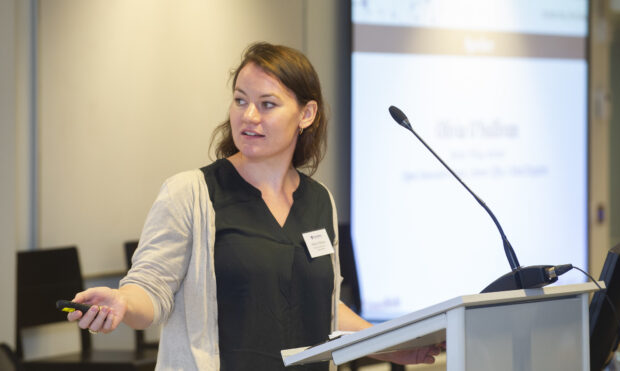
{"x": 174, "y": 265}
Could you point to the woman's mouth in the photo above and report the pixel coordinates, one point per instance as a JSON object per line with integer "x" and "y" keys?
{"x": 252, "y": 134}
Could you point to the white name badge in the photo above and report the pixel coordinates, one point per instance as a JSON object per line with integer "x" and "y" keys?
{"x": 318, "y": 243}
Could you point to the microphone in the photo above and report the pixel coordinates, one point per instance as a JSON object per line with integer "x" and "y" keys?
{"x": 519, "y": 277}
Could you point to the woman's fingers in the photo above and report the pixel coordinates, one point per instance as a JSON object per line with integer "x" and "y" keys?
{"x": 106, "y": 311}
{"x": 424, "y": 357}
{"x": 88, "y": 317}
{"x": 97, "y": 324}
{"x": 97, "y": 319}
{"x": 434, "y": 350}
{"x": 74, "y": 316}
{"x": 81, "y": 297}
{"x": 109, "y": 323}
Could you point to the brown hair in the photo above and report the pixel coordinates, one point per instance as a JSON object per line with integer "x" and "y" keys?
{"x": 295, "y": 72}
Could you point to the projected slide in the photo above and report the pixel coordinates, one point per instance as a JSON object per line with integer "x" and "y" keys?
{"x": 499, "y": 90}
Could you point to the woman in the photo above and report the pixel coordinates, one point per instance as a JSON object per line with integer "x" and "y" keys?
{"x": 225, "y": 260}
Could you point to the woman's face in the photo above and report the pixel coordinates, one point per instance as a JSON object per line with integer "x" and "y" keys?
{"x": 265, "y": 116}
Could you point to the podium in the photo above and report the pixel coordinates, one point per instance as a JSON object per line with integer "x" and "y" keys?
{"x": 533, "y": 329}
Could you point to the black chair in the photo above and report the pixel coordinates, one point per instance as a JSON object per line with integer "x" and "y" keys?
{"x": 349, "y": 289}
{"x": 8, "y": 359}
{"x": 141, "y": 342}
{"x": 44, "y": 276}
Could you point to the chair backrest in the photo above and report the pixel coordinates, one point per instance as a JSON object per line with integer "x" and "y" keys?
{"x": 8, "y": 360}
{"x": 350, "y": 291}
{"x": 130, "y": 247}
{"x": 140, "y": 336}
{"x": 43, "y": 277}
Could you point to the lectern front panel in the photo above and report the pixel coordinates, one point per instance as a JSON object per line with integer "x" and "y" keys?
{"x": 539, "y": 335}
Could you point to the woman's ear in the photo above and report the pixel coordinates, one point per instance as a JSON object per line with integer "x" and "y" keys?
{"x": 308, "y": 114}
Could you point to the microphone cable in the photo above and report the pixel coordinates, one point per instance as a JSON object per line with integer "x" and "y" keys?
{"x": 604, "y": 291}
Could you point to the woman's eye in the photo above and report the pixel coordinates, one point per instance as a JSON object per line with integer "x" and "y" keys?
{"x": 268, "y": 104}
{"x": 239, "y": 101}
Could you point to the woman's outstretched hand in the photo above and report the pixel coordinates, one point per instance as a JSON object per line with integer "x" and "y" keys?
{"x": 106, "y": 313}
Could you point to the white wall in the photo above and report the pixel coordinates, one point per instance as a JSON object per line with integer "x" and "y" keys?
{"x": 129, "y": 93}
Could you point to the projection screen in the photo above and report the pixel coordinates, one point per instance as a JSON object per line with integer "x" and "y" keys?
{"x": 499, "y": 90}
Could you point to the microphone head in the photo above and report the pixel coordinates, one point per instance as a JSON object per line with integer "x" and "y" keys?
{"x": 399, "y": 117}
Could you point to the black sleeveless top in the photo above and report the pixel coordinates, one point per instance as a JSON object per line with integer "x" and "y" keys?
{"x": 271, "y": 294}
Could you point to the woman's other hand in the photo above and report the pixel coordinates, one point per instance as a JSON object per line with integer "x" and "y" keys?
{"x": 411, "y": 356}
{"x": 106, "y": 313}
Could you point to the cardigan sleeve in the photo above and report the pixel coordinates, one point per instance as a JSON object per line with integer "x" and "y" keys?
{"x": 160, "y": 262}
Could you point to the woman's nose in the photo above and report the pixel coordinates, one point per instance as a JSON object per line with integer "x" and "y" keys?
{"x": 251, "y": 113}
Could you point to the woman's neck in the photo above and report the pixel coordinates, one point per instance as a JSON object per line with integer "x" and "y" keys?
{"x": 273, "y": 177}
